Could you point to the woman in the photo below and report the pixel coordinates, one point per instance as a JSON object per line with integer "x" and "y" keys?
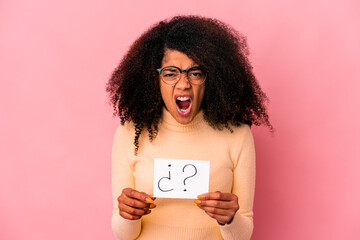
{"x": 185, "y": 90}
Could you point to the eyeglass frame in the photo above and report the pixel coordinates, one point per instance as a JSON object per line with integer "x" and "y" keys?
{"x": 159, "y": 70}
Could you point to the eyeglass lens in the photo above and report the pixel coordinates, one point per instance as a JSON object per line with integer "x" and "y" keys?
{"x": 172, "y": 74}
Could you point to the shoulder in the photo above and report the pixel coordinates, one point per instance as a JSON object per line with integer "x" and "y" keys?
{"x": 124, "y": 132}
{"x": 242, "y": 149}
{"x": 123, "y": 140}
{"x": 239, "y": 137}
{"x": 242, "y": 132}
{"x": 233, "y": 134}
{"x": 242, "y": 137}
{"x": 242, "y": 129}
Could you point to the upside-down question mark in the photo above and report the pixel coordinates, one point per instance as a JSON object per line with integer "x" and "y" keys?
{"x": 169, "y": 178}
{"x": 190, "y": 175}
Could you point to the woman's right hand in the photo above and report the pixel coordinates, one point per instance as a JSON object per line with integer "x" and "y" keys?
{"x": 134, "y": 204}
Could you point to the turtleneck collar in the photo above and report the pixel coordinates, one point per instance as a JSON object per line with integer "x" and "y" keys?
{"x": 169, "y": 122}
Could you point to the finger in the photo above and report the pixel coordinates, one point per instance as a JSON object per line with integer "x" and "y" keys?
{"x": 218, "y": 204}
{"x": 219, "y": 218}
{"x": 220, "y": 215}
{"x": 218, "y": 196}
{"x": 133, "y": 211}
{"x": 134, "y": 203}
{"x": 152, "y": 197}
{"x": 129, "y": 216}
{"x": 219, "y": 211}
{"x": 132, "y": 193}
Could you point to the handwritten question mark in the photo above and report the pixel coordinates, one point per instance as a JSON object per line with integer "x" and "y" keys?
{"x": 190, "y": 175}
{"x": 169, "y": 178}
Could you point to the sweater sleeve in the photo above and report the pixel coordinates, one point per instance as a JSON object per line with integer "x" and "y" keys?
{"x": 241, "y": 227}
{"x": 122, "y": 177}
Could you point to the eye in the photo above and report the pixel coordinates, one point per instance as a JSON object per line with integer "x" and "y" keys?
{"x": 196, "y": 74}
{"x": 169, "y": 75}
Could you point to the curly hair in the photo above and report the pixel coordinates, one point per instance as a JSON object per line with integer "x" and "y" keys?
{"x": 232, "y": 94}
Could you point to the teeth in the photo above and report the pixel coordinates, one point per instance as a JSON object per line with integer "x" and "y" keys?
{"x": 182, "y": 98}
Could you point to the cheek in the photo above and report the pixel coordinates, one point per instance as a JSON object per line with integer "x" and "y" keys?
{"x": 201, "y": 93}
{"x": 165, "y": 94}
{"x": 162, "y": 91}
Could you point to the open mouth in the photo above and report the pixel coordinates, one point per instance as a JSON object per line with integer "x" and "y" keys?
{"x": 183, "y": 104}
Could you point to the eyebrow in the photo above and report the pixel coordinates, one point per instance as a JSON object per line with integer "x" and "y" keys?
{"x": 192, "y": 66}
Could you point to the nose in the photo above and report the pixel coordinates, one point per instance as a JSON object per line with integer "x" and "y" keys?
{"x": 183, "y": 82}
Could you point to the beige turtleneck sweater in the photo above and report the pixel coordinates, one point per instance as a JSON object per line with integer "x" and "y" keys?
{"x": 232, "y": 169}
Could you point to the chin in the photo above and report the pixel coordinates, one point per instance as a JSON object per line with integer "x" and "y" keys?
{"x": 184, "y": 120}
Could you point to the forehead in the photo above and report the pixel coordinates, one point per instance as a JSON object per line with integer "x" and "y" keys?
{"x": 176, "y": 58}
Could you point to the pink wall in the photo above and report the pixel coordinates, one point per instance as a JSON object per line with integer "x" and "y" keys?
{"x": 56, "y": 128}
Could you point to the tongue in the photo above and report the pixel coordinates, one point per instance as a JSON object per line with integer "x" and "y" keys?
{"x": 183, "y": 104}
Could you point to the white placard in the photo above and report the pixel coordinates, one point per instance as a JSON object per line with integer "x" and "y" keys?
{"x": 176, "y": 178}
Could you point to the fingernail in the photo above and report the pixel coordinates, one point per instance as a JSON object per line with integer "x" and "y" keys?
{"x": 152, "y": 205}
{"x": 148, "y": 211}
{"x": 149, "y": 200}
{"x": 200, "y": 196}
{"x": 197, "y": 201}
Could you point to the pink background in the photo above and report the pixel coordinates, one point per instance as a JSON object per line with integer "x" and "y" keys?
{"x": 56, "y": 128}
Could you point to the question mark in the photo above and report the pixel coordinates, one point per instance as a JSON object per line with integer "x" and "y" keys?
{"x": 169, "y": 178}
{"x": 190, "y": 175}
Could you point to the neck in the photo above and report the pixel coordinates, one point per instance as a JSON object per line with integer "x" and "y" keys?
{"x": 170, "y": 122}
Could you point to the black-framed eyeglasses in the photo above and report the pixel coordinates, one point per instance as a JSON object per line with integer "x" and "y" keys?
{"x": 172, "y": 74}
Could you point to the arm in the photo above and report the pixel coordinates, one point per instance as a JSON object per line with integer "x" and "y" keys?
{"x": 233, "y": 211}
{"x": 241, "y": 226}
{"x": 122, "y": 178}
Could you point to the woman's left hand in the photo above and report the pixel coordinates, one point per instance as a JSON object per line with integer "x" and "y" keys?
{"x": 220, "y": 206}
